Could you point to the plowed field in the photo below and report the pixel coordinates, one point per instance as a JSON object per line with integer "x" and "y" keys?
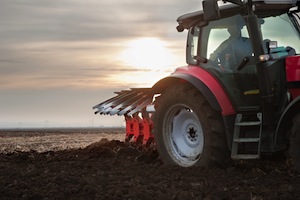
{"x": 97, "y": 164}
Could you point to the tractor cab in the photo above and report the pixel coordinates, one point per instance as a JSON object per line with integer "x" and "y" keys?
{"x": 224, "y": 48}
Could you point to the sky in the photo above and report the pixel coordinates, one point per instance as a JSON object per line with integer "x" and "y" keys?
{"x": 59, "y": 58}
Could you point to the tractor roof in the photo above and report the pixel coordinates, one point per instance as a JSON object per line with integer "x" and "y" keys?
{"x": 262, "y": 10}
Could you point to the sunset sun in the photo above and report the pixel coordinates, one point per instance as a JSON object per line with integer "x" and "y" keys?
{"x": 146, "y": 53}
{"x": 149, "y": 60}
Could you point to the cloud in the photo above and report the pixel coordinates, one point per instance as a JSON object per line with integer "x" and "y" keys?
{"x": 86, "y": 20}
{"x": 59, "y": 57}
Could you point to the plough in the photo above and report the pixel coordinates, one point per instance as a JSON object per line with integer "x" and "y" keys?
{"x": 132, "y": 104}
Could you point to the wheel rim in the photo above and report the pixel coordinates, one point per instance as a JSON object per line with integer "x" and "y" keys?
{"x": 184, "y": 135}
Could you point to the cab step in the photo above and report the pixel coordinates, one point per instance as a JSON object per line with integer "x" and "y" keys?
{"x": 241, "y": 125}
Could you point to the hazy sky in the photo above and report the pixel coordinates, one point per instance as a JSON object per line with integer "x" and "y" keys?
{"x": 59, "y": 58}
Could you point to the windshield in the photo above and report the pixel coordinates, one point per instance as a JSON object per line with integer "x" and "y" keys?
{"x": 282, "y": 30}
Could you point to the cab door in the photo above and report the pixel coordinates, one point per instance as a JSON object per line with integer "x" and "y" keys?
{"x": 225, "y": 43}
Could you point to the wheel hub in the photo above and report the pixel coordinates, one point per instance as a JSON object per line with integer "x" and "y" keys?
{"x": 189, "y": 131}
{"x": 192, "y": 133}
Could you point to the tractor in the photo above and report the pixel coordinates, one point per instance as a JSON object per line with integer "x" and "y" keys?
{"x": 238, "y": 97}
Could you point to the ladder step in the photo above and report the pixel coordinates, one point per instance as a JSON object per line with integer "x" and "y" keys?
{"x": 242, "y": 126}
{"x": 245, "y": 156}
{"x": 241, "y": 140}
{"x": 254, "y": 123}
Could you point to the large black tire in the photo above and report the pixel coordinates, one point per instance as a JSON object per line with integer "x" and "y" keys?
{"x": 294, "y": 148}
{"x": 188, "y": 131}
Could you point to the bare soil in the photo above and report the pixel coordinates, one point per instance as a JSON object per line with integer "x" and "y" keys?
{"x": 98, "y": 164}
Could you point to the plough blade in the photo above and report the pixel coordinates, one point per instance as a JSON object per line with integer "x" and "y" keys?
{"x": 127, "y": 102}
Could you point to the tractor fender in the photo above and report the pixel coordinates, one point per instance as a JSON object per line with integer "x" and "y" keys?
{"x": 204, "y": 82}
{"x": 286, "y": 119}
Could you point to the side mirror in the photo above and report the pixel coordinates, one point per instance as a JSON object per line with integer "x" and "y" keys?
{"x": 211, "y": 10}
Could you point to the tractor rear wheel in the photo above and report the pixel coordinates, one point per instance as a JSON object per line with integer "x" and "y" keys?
{"x": 294, "y": 149}
{"x": 187, "y": 130}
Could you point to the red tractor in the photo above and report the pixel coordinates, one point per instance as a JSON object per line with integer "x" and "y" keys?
{"x": 237, "y": 98}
